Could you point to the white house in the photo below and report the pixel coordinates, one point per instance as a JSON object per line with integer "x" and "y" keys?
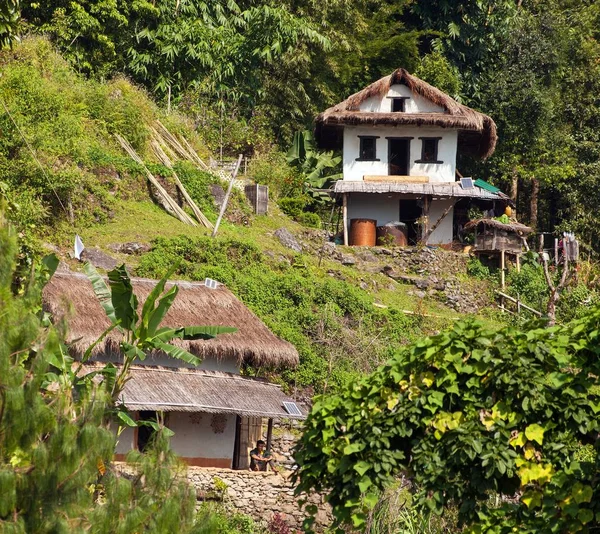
{"x": 400, "y": 138}
{"x": 217, "y": 414}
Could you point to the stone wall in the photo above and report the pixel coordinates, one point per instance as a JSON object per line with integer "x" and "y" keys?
{"x": 257, "y": 494}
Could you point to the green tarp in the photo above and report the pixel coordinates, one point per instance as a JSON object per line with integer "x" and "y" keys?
{"x": 484, "y": 185}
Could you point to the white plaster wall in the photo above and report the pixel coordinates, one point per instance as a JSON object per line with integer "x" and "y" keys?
{"x": 384, "y": 208}
{"x": 198, "y": 440}
{"x": 125, "y": 440}
{"x": 225, "y": 364}
{"x": 438, "y": 172}
{"x": 443, "y": 233}
{"x": 415, "y": 103}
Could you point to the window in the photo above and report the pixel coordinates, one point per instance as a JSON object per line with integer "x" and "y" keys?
{"x": 399, "y": 104}
{"x": 429, "y": 150}
{"x": 368, "y": 148}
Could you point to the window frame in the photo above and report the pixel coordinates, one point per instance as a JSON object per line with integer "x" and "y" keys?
{"x": 435, "y": 159}
{"x": 402, "y": 99}
{"x": 361, "y": 139}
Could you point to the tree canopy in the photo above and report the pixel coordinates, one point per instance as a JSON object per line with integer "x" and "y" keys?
{"x": 469, "y": 414}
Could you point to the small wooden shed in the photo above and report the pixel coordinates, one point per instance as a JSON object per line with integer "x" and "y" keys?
{"x": 493, "y": 236}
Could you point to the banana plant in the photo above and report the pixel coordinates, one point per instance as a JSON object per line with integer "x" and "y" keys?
{"x": 142, "y": 332}
{"x": 320, "y": 169}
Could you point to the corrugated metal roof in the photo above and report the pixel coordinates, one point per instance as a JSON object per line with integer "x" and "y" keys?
{"x": 435, "y": 189}
{"x": 193, "y": 390}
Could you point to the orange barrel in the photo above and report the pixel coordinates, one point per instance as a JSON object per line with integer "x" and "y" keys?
{"x": 363, "y": 232}
{"x": 392, "y": 234}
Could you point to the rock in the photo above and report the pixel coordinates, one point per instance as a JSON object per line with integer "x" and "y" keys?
{"x": 218, "y": 194}
{"x": 287, "y": 239}
{"x": 329, "y": 248}
{"x": 367, "y": 257}
{"x": 130, "y": 248}
{"x": 99, "y": 259}
{"x": 348, "y": 260}
{"x": 51, "y": 248}
{"x": 418, "y": 294}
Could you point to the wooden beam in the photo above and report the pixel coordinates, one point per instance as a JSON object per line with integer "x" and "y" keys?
{"x": 396, "y": 179}
{"x": 502, "y": 269}
{"x": 345, "y": 217}
{"x": 226, "y": 199}
{"x": 437, "y": 223}
{"x": 269, "y": 434}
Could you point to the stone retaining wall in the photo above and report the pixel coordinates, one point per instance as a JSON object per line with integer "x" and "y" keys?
{"x": 257, "y": 494}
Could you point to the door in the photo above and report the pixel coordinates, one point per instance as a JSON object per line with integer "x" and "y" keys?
{"x": 398, "y": 156}
{"x": 410, "y": 212}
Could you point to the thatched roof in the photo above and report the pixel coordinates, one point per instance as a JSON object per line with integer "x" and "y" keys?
{"x": 514, "y": 227}
{"x": 447, "y": 190}
{"x": 70, "y": 296}
{"x": 477, "y": 132}
{"x": 196, "y": 390}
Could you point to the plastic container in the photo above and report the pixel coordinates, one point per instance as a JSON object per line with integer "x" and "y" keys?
{"x": 363, "y": 232}
{"x": 392, "y": 234}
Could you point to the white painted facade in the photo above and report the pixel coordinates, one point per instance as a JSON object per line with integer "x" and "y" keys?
{"x": 385, "y": 208}
{"x": 198, "y": 439}
{"x": 414, "y": 104}
{"x": 194, "y": 437}
{"x": 437, "y": 172}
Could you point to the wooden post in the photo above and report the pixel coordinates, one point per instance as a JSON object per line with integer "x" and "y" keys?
{"x": 518, "y": 304}
{"x": 518, "y": 258}
{"x": 226, "y": 199}
{"x": 556, "y": 251}
{"x": 269, "y": 434}
{"x": 345, "y": 217}
{"x": 502, "y": 266}
{"x": 425, "y": 215}
{"x": 432, "y": 228}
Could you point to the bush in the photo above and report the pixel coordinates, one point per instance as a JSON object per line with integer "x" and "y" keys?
{"x": 292, "y": 206}
{"x": 476, "y": 269}
{"x": 309, "y": 219}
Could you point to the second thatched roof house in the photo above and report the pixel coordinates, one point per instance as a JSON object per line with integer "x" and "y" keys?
{"x": 400, "y": 137}
{"x": 216, "y": 414}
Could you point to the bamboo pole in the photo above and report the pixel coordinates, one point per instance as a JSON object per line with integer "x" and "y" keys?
{"x": 502, "y": 268}
{"x": 160, "y": 154}
{"x": 345, "y": 217}
{"x": 164, "y": 198}
{"x": 226, "y": 199}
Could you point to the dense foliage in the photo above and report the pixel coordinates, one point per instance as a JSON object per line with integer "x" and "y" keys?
{"x": 55, "y": 444}
{"x": 469, "y": 414}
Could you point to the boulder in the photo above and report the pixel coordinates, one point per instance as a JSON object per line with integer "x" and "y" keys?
{"x": 99, "y": 259}
{"x": 131, "y": 247}
{"x": 287, "y": 239}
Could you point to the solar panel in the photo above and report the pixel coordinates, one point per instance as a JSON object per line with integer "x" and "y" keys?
{"x": 466, "y": 183}
{"x": 292, "y": 408}
{"x": 210, "y": 283}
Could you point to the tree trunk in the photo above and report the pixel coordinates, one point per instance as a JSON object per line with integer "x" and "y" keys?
{"x": 535, "y": 193}
{"x": 514, "y": 186}
{"x": 551, "y": 307}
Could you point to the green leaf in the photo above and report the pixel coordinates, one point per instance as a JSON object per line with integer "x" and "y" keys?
{"x": 123, "y": 298}
{"x": 364, "y": 484}
{"x": 585, "y": 515}
{"x": 157, "y": 315}
{"x": 582, "y": 493}
{"x": 49, "y": 265}
{"x": 532, "y": 498}
{"x": 353, "y": 447}
{"x": 125, "y": 418}
{"x": 362, "y": 467}
{"x": 371, "y": 500}
{"x": 535, "y": 432}
{"x": 177, "y": 352}
{"x": 101, "y": 291}
{"x": 150, "y": 302}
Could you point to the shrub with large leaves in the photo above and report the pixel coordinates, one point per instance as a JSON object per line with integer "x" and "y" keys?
{"x": 468, "y": 414}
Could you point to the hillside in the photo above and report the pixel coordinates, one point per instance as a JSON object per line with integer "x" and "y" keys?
{"x": 345, "y": 314}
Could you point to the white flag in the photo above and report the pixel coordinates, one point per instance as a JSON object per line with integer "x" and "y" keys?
{"x": 78, "y": 247}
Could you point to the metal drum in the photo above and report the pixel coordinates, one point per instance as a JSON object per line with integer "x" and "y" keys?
{"x": 363, "y": 232}
{"x": 392, "y": 234}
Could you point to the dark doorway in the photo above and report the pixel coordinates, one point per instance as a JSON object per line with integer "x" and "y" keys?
{"x": 410, "y": 212}
{"x": 145, "y": 432}
{"x": 398, "y": 156}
